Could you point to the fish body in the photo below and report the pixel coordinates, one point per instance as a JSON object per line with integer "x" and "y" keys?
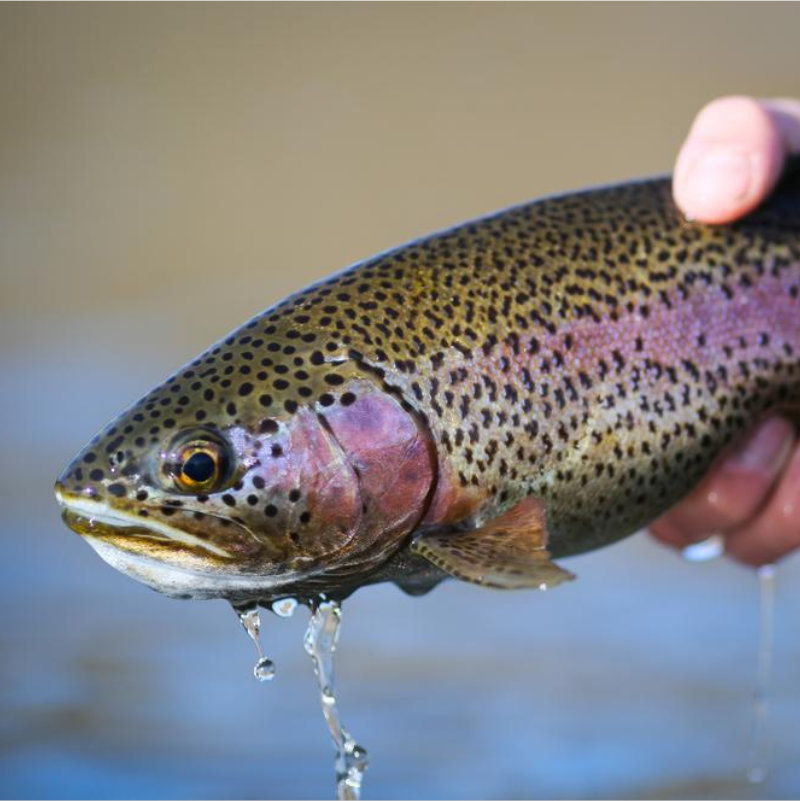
{"x": 527, "y": 386}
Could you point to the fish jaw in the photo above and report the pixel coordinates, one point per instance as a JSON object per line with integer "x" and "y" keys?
{"x": 186, "y": 583}
{"x": 171, "y": 561}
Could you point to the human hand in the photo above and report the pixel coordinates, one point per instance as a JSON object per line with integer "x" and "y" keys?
{"x": 728, "y": 164}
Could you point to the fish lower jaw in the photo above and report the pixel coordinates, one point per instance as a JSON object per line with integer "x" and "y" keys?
{"x": 173, "y": 562}
{"x": 185, "y": 582}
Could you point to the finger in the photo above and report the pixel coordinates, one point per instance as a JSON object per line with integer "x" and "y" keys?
{"x": 786, "y": 113}
{"x": 776, "y": 530}
{"x": 733, "y": 491}
{"x": 733, "y": 156}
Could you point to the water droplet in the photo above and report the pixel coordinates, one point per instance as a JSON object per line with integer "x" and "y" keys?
{"x": 705, "y": 550}
{"x": 320, "y": 642}
{"x": 264, "y": 669}
{"x": 251, "y": 620}
{"x": 284, "y": 607}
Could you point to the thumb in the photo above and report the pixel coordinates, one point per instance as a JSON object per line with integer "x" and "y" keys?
{"x": 733, "y": 156}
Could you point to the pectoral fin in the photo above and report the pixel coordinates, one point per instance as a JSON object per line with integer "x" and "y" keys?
{"x": 507, "y": 553}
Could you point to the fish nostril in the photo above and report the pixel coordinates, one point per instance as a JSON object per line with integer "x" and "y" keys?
{"x": 74, "y": 483}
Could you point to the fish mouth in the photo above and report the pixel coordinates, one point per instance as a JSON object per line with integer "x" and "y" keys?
{"x": 128, "y": 531}
{"x": 171, "y": 561}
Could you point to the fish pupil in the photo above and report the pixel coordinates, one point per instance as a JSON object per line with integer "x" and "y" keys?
{"x": 199, "y": 467}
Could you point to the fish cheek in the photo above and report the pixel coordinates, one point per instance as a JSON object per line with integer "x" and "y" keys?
{"x": 311, "y": 500}
{"x": 392, "y": 454}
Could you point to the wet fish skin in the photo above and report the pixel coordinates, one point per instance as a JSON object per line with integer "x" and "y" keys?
{"x": 581, "y": 359}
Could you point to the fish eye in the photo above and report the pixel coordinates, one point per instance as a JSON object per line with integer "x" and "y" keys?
{"x": 200, "y": 465}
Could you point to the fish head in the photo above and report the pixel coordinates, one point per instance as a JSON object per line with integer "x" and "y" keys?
{"x": 206, "y": 491}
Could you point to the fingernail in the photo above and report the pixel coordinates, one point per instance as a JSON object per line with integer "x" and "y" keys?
{"x": 765, "y": 451}
{"x": 716, "y": 178}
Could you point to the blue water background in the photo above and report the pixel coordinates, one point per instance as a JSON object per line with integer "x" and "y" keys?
{"x": 634, "y": 681}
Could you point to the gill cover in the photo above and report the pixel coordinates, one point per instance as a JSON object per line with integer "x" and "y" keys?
{"x": 391, "y": 457}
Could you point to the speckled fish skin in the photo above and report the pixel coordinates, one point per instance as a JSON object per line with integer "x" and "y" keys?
{"x": 592, "y": 352}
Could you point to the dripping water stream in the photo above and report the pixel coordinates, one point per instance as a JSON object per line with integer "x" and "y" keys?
{"x": 759, "y": 746}
{"x": 320, "y": 641}
{"x": 757, "y": 764}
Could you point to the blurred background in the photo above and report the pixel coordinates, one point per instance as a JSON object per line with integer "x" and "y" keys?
{"x": 168, "y": 170}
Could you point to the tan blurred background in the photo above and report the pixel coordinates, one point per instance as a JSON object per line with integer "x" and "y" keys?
{"x": 168, "y": 170}
{"x": 197, "y": 162}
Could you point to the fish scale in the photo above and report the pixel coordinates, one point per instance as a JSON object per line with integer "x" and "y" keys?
{"x": 592, "y": 352}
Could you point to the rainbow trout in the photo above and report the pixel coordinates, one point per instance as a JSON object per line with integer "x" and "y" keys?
{"x": 531, "y": 385}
